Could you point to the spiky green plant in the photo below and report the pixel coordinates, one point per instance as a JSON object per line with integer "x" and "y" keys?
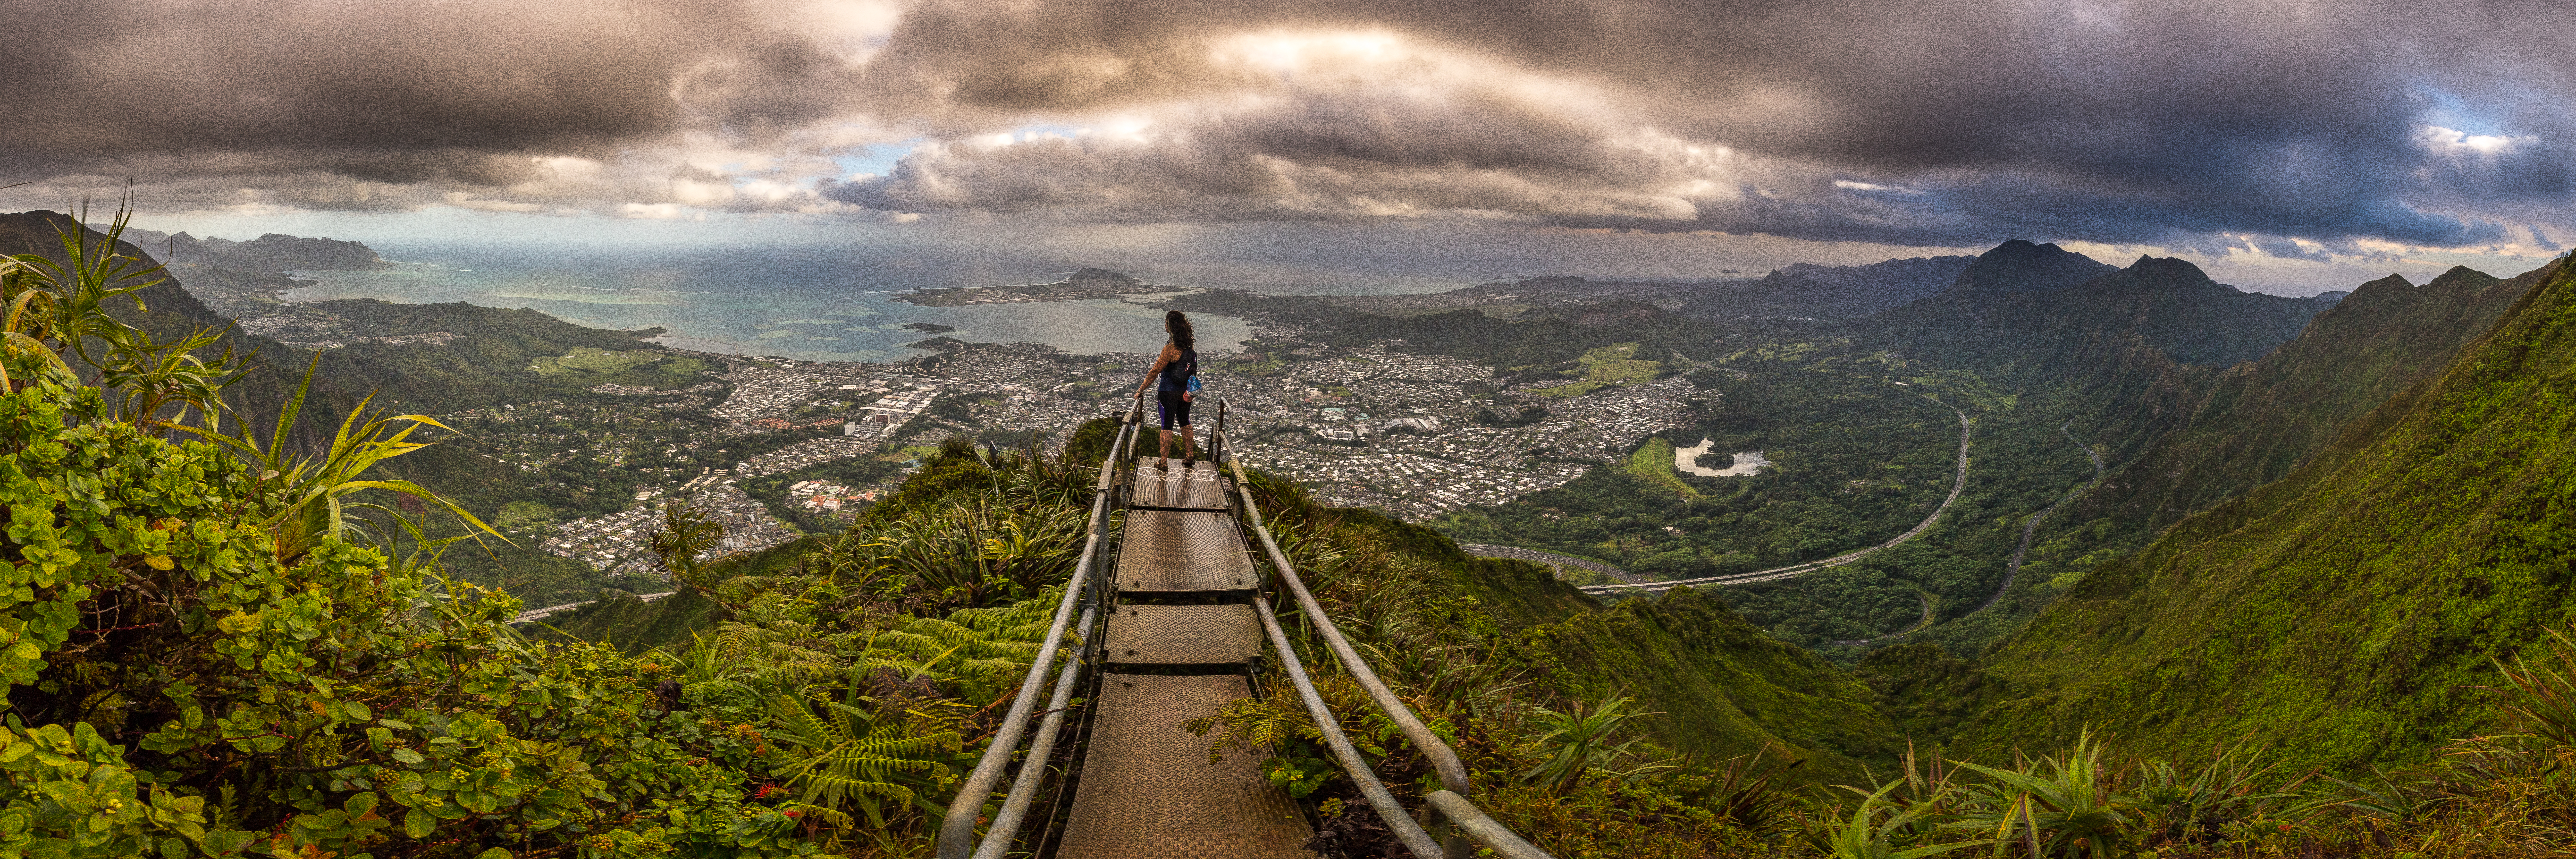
{"x": 705, "y": 661}
{"x": 1579, "y": 740}
{"x": 1882, "y": 829}
{"x": 2196, "y": 809}
{"x": 2538, "y": 698}
{"x": 2058, "y": 805}
{"x": 311, "y": 492}
{"x": 60, "y": 307}
{"x": 2384, "y": 796}
{"x": 976, "y": 551}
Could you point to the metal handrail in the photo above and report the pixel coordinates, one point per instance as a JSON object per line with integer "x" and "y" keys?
{"x": 1024, "y": 789}
{"x": 957, "y": 829}
{"x": 957, "y": 834}
{"x": 1390, "y": 811}
{"x": 1484, "y": 828}
{"x": 1444, "y": 760}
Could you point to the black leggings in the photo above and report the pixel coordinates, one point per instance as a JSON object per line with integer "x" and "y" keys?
{"x": 1176, "y": 411}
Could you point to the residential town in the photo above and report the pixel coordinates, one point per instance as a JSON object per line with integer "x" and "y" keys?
{"x": 1376, "y": 426}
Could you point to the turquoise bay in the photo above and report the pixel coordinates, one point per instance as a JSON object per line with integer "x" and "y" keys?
{"x": 816, "y": 304}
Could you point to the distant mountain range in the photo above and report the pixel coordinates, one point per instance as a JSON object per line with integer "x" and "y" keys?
{"x": 1785, "y": 295}
{"x": 1799, "y": 291}
{"x": 1901, "y": 279}
{"x": 269, "y": 254}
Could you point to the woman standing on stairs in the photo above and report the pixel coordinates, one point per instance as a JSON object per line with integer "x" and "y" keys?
{"x": 1176, "y": 369}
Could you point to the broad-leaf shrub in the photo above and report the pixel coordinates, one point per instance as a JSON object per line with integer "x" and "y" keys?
{"x": 174, "y": 688}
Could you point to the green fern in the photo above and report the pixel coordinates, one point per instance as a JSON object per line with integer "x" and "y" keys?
{"x": 1255, "y": 723}
{"x": 979, "y": 650}
{"x": 845, "y": 755}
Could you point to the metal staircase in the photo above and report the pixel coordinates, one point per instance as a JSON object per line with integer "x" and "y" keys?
{"x": 1171, "y": 627}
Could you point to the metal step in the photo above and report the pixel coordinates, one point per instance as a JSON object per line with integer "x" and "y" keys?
{"x": 1149, "y": 792}
{"x": 1142, "y": 634}
{"x": 1201, "y": 487}
{"x": 1165, "y": 551}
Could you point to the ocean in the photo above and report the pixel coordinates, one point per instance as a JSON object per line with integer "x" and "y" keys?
{"x": 834, "y": 303}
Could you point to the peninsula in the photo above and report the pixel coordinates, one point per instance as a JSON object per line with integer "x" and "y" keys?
{"x": 1084, "y": 285}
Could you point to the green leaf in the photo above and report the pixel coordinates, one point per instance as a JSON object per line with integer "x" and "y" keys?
{"x": 494, "y": 853}
{"x": 408, "y": 756}
{"x": 418, "y": 823}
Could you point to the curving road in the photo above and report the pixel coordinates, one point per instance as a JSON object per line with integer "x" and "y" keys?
{"x": 2032, "y": 525}
{"x": 549, "y": 611}
{"x": 1553, "y": 559}
{"x": 1957, "y": 485}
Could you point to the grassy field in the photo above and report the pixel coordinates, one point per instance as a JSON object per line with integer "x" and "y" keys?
{"x": 1787, "y": 351}
{"x": 1654, "y": 461}
{"x": 1979, "y": 393}
{"x": 1497, "y": 311}
{"x": 524, "y": 514}
{"x": 1608, "y": 366}
{"x": 909, "y": 452}
{"x": 584, "y": 359}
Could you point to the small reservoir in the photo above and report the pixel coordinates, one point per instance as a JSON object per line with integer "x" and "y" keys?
{"x": 1746, "y": 463}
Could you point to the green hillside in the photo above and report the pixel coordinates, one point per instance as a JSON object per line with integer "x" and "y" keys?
{"x": 1724, "y": 687}
{"x": 490, "y": 360}
{"x": 2255, "y": 426}
{"x": 1549, "y": 338}
{"x": 2343, "y": 614}
{"x": 168, "y": 312}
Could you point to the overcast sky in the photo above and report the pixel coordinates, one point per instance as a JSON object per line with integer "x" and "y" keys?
{"x": 2292, "y": 143}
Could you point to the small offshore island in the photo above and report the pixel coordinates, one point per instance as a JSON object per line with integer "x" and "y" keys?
{"x": 1085, "y": 285}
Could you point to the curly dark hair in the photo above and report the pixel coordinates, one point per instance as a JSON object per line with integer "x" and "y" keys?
{"x": 1179, "y": 326}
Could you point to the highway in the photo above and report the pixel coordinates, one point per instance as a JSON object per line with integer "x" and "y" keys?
{"x": 549, "y": 611}
{"x": 2031, "y": 525}
{"x": 1553, "y": 559}
{"x": 1958, "y": 484}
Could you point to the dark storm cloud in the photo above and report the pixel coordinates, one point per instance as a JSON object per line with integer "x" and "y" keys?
{"x": 2124, "y": 122}
{"x": 473, "y": 93}
{"x": 2235, "y": 124}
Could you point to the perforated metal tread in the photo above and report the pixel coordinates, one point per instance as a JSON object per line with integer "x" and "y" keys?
{"x": 1149, "y": 792}
{"x": 1201, "y": 487}
{"x": 1172, "y": 551}
{"x": 1183, "y": 634}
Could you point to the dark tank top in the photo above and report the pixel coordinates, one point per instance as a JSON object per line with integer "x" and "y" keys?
{"x": 1176, "y": 375}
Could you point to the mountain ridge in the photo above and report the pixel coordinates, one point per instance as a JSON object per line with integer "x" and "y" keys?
{"x": 2254, "y": 426}
{"x": 1901, "y": 279}
{"x": 2347, "y": 611}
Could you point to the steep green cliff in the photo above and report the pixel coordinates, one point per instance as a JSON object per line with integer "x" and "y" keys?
{"x": 2344, "y": 614}
{"x": 2254, "y": 426}
{"x": 1724, "y": 686}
